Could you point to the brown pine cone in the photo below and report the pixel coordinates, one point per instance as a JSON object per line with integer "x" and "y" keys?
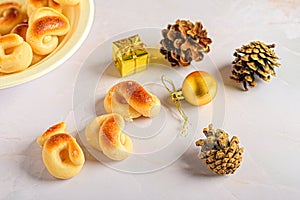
{"x": 218, "y": 153}
{"x": 254, "y": 58}
{"x": 184, "y": 42}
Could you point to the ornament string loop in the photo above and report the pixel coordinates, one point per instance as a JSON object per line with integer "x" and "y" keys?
{"x": 176, "y": 96}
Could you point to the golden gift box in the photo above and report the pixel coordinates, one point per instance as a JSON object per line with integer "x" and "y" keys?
{"x": 130, "y": 55}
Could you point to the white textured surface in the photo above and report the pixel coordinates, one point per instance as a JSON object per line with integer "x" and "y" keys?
{"x": 266, "y": 119}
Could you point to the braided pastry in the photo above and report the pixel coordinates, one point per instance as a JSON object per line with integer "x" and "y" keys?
{"x": 10, "y": 15}
{"x": 104, "y": 133}
{"x": 32, "y": 5}
{"x": 61, "y": 154}
{"x": 131, "y": 100}
{"x": 15, "y": 53}
{"x": 44, "y": 26}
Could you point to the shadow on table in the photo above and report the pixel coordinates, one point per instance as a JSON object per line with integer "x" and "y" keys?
{"x": 88, "y": 156}
{"x": 33, "y": 163}
{"x": 193, "y": 165}
{"x": 225, "y": 72}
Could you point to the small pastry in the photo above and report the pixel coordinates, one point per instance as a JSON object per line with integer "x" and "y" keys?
{"x": 61, "y": 154}
{"x": 10, "y": 15}
{"x": 104, "y": 133}
{"x": 45, "y": 26}
{"x": 131, "y": 100}
{"x": 20, "y": 29}
{"x": 32, "y": 5}
{"x": 57, "y": 128}
{"x": 68, "y": 2}
{"x": 37, "y": 58}
{"x": 15, "y": 53}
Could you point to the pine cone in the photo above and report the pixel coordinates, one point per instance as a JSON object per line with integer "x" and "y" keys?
{"x": 218, "y": 153}
{"x": 254, "y": 58}
{"x": 184, "y": 42}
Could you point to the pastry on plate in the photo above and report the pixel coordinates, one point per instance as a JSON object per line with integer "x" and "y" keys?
{"x": 32, "y": 5}
{"x": 104, "y": 133}
{"x": 15, "y": 53}
{"x": 21, "y": 30}
{"x": 11, "y": 14}
{"x": 45, "y": 25}
{"x": 131, "y": 100}
{"x": 68, "y": 2}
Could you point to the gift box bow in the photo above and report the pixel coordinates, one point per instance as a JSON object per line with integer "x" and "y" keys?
{"x": 130, "y": 48}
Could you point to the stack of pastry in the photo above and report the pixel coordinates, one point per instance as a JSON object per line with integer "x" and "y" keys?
{"x": 30, "y": 32}
{"x": 64, "y": 158}
{"x": 125, "y": 100}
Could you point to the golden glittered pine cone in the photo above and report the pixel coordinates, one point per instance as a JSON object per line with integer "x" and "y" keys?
{"x": 253, "y": 59}
{"x": 221, "y": 155}
{"x": 183, "y": 42}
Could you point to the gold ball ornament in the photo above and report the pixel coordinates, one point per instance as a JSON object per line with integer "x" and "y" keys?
{"x": 199, "y": 88}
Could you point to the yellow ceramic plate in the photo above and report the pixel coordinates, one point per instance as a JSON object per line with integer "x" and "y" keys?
{"x": 81, "y": 18}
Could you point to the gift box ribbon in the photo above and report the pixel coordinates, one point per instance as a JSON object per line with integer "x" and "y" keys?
{"x": 130, "y": 48}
